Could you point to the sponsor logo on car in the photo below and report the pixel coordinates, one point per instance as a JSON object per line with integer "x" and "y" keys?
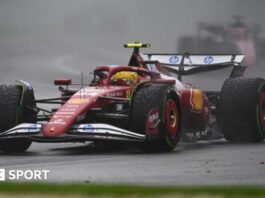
{"x": 153, "y": 120}
{"x": 33, "y": 128}
{"x": 119, "y": 107}
{"x": 153, "y": 117}
{"x": 88, "y": 128}
{"x": 64, "y": 113}
{"x": 208, "y": 60}
{"x": 58, "y": 121}
{"x": 174, "y": 59}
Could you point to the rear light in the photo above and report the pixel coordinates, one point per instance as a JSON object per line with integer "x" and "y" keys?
{"x": 63, "y": 82}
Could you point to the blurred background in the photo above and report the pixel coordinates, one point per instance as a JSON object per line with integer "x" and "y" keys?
{"x": 41, "y": 40}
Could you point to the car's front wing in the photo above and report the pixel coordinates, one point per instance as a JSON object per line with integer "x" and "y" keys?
{"x": 78, "y": 133}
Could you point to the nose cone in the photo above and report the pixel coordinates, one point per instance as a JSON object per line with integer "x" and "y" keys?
{"x": 78, "y": 105}
{"x": 66, "y": 116}
{"x": 57, "y": 127}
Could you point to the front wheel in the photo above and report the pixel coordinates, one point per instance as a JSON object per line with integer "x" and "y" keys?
{"x": 155, "y": 112}
{"x": 11, "y": 113}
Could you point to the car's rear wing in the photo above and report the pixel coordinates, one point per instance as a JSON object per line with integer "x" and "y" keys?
{"x": 188, "y": 64}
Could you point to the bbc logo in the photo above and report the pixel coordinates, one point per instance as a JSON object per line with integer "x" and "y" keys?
{"x": 2, "y": 174}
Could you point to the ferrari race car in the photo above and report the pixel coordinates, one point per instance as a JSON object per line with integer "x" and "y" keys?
{"x": 142, "y": 103}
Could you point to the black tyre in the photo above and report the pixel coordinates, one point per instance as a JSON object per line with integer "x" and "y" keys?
{"x": 11, "y": 113}
{"x": 155, "y": 113}
{"x": 242, "y": 110}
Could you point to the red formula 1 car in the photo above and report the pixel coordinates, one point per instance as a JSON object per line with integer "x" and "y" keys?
{"x": 140, "y": 103}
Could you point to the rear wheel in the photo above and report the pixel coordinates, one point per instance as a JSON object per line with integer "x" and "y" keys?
{"x": 11, "y": 113}
{"x": 155, "y": 113}
{"x": 242, "y": 110}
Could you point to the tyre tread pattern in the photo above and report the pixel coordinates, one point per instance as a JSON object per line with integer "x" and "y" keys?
{"x": 146, "y": 98}
{"x": 9, "y": 116}
{"x": 238, "y": 117}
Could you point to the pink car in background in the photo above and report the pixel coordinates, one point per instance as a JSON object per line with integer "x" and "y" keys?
{"x": 235, "y": 38}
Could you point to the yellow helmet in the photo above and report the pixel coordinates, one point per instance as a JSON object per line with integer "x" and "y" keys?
{"x": 131, "y": 78}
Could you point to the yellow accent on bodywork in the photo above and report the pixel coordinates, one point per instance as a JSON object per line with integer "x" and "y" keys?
{"x": 78, "y": 101}
{"x": 133, "y": 45}
{"x": 129, "y": 94}
{"x": 197, "y": 99}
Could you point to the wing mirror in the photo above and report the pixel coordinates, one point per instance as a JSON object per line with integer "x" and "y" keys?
{"x": 63, "y": 82}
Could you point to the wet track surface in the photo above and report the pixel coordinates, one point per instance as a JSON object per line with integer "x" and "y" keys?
{"x": 201, "y": 163}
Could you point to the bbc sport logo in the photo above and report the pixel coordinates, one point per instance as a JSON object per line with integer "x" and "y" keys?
{"x": 2, "y": 174}
{"x": 33, "y": 175}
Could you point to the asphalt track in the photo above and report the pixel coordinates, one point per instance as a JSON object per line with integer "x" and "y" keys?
{"x": 201, "y": 163}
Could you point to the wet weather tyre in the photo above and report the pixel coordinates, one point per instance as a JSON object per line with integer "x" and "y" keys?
{"x": 158, "y": 103}
{"x": 242, "y": 110}
{"x": 10, "y": 96}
